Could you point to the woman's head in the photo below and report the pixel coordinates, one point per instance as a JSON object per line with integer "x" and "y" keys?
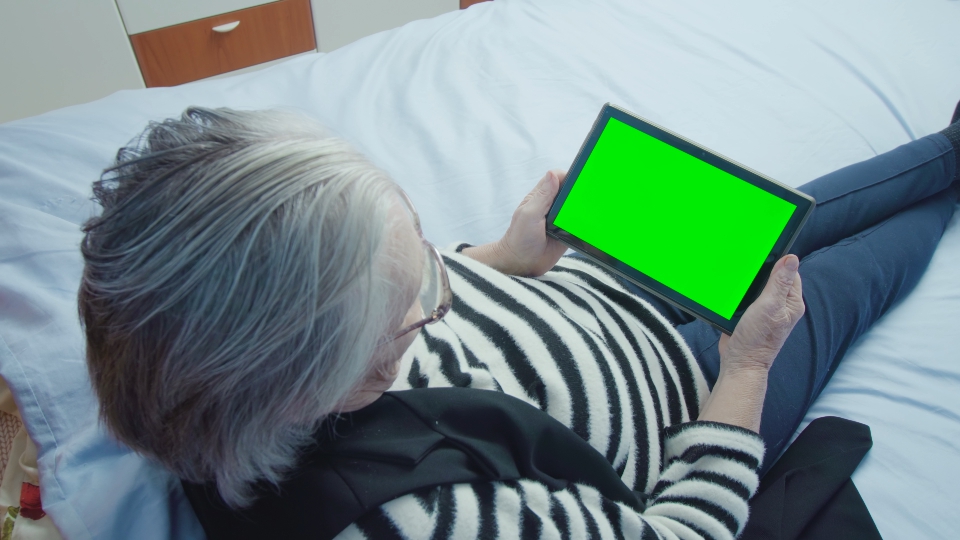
{"x": 237, "y": 288}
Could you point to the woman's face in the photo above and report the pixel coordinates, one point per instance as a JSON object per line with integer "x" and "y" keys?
{"x": 408, "y": 250}
{"x": 409, "y": 245}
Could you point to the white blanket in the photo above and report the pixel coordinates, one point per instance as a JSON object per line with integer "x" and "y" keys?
{"x": 467, "y": 111}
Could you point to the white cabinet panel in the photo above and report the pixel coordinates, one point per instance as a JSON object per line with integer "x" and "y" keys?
{"x": 55, "y": 53}
{"x": 340, "y": 22}
{"x": 144, "y": 15}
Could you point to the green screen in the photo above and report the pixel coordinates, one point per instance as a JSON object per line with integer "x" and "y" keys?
{"x": 695, "y": 228}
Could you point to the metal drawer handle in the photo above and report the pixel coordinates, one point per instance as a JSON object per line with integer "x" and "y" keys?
{"x": 224, "y": 28}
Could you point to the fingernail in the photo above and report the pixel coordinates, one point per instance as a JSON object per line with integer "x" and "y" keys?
{"x": 792, "y": 263}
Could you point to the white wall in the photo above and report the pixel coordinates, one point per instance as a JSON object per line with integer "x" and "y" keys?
{"x": 339, "y": 22}
{"x": 55, "y": 53}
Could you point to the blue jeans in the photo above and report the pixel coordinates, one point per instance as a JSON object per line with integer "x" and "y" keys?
{"x": 866, "y": 245}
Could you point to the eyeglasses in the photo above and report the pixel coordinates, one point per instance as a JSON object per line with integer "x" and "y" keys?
{"x": 435, "y": 297}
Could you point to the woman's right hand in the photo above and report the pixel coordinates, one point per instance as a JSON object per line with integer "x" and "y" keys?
{"x": 768, "y": 321}
{"x": 525, "y": 249}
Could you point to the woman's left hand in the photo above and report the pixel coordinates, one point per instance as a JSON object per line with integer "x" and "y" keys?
{"x": 525, "y": 249}
{"x": 768, "y": 322}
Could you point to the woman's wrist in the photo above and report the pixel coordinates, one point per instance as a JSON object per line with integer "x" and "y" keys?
{"x": 493, "y": 255}
{"x": 737, "y": 397}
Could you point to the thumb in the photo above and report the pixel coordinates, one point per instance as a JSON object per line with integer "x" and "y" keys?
{"x": 783, "y": 276}
{"x": 546, "y": 190}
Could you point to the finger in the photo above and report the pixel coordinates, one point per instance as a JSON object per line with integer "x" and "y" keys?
{"x": 782, "y": 277}
{"x": 797, "y": 290}
{"x": 795, "y": 299}
{"x": 561, "y": 174}
{"x": 549, "y": 185}
{"x": 543, "y": 194}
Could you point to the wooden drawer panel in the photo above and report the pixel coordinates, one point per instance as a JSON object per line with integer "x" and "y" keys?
{"x": 190, "y": 51}
{"x": 145, "y": 15}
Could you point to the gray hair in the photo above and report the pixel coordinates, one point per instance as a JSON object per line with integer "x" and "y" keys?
{"x": 234, "y": 291}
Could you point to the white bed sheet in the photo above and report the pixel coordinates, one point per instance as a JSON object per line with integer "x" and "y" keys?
{"x": 467, "y": 111}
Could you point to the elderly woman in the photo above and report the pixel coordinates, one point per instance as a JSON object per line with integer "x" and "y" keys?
{"x": 255, "y": 291}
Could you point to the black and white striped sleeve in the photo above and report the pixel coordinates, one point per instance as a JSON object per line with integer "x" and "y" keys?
{"x": 710, "y": 473}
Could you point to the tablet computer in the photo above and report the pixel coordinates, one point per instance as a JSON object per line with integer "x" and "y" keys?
{"x": 681, "y": 221}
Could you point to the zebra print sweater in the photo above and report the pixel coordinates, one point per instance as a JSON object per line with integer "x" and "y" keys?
{"x": 576, "y": 344}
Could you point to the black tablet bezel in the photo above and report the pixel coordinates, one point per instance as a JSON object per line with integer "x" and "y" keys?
{"x": 803, "y": 202}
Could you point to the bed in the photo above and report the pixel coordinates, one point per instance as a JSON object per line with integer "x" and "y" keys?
{"x": 466, "y": 111}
